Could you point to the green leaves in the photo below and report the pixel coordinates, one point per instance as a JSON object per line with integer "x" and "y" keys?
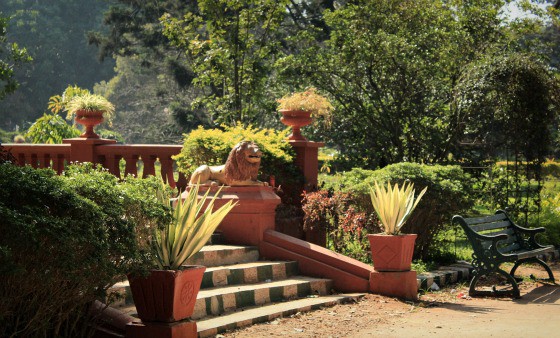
{"x": 394, "y": 205}
{"x": 194, "y": 221}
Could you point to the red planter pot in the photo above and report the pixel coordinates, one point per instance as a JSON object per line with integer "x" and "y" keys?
{"x": 392, "y": 252}
{"x": 89, "y": 119}
{"x": 296, "y": 119}
{"x": 166, "y": 295}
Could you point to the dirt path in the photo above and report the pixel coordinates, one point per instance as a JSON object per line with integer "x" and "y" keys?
{"x": 447, "y": 312}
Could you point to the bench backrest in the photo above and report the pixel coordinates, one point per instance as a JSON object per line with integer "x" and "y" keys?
{"x": 493, "y": 225}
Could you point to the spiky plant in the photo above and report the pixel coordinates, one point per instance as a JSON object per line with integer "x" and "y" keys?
{"x": 192, "y": 226}
{"x": 394, "y": 205}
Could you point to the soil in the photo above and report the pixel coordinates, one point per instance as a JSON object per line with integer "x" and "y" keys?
{"x": 448, "y": 312}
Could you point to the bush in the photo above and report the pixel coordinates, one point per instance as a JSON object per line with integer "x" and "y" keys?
{"x": 346, "y": 228}
{"x": 65, "y": 241}
{"x": 549, "y": 218}
{"x": 449, "y": 191}
{"x": 212, "y": 147}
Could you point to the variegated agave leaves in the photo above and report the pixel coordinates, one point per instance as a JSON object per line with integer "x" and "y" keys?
{"x": 190, "y": 229}
{"x": 394, "y": 205}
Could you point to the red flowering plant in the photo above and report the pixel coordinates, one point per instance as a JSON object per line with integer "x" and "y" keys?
{"x": 346, "y": 227}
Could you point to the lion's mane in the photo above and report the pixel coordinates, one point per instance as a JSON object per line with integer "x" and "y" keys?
{"x": 237, "y": 168}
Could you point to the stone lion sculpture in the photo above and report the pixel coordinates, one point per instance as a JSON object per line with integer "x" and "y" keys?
{"x": 241, "y": 168}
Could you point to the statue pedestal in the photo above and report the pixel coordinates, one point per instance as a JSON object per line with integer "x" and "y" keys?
{"x": 251, "y": 217}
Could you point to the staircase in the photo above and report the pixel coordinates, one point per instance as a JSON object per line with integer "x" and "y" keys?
{"x": 239, "y": 290}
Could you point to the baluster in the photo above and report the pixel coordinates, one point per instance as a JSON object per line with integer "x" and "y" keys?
{"x": 167, "y": 171}
{"x": 58, "y": 163}
{"x": 113, "y": 164}
{"x": 131, "y": 167}
{"x": 149, "y": 165}
{"x": 34, "y": 161}
{"x": 21, "y": 159}
{"x": 45, "y": 161}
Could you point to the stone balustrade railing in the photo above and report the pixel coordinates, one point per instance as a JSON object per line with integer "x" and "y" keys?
{"x": 138, "y": 158}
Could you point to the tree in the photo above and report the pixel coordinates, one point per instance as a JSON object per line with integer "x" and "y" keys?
{"x": 390, "y": 67}
{"x": 55, "y": 35}
{"x": 11, "y": 56}
{"x": 232, "y": 47}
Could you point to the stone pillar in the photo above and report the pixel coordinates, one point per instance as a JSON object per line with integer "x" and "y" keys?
{"x": 254, "y": 213}
{"x": 307, "y": 159}
{"x": 83, "y": 149}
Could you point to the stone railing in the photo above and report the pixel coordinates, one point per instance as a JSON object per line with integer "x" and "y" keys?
{"x": 139, "y": 159}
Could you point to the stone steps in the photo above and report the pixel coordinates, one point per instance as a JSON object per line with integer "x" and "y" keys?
{"x": 212, "y": 326}
{"x": 239, "y": 290}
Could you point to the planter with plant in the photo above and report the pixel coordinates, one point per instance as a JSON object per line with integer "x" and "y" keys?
{"x": 298, "y": 110}
{"x": 89, "y": 110}
{"x": 168, "y": 293}
{"x": 392, "y": 250}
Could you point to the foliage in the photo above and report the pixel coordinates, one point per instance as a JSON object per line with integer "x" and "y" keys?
{"x": 194, "y": 222}
{"x": 90, "y": 102}
{"x": 59, "y": 103}
{"x": 549, "y": 218}
{"x": 56, "y": 40}
{"x": 212, "y": 147}
{"x": 10, "y": 55}
{"x": 232, "y": 46}
{"x": 449, "y": 193}
{"x": 6, "y": 156}
{"x": 308, "y": 100}
{"x": 50, "y": 129}
{"x": 390, "y": 68}
{"x": 394, "y": 205}
{"x": 345, "y": 227}
{"x": 500, "y": 188}
{"x": 509, "y": 102}
{"x": 82, "y": 229}
{"x": 7, "y": 136}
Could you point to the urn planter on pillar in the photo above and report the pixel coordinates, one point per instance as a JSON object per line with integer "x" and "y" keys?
{"x": 299, "y": 109}
{"x": 89, "y": 110}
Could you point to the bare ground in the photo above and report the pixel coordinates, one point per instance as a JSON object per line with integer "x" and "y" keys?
{"x": 447, "y": 312}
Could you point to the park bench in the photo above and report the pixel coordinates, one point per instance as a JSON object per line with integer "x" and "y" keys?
{"x": 496, "y": 239}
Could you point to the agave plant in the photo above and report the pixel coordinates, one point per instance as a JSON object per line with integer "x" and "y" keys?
{"x": 192, "y": 226}
{"x": 394, "y": 205}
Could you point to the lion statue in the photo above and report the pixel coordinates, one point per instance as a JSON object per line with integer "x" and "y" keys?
{"x": 241, "y": 168}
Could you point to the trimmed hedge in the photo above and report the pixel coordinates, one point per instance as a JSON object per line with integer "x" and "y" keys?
{"x": 449, "y": 191}
{"x": 212, "y": 147}
{"x": 65, "y": 240}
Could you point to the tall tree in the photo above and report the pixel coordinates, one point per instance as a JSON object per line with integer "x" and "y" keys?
{"x": 11, "y": 56}
{"x": 391, "y": 67}
{"x": 232, "y": 46}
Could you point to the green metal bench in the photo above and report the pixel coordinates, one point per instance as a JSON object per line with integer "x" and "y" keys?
{"x": 495, "y": 240}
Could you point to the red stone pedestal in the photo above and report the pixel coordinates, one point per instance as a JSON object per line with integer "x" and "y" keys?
{"x": 182, "y": 329}
{"x": 401, "y": 284}
{"x": 251, "y": 217}
{"x": 307, "y": 158}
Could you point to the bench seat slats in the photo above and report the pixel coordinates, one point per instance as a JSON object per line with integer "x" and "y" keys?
{"x": 490, "y": 226}
{"x": 486, "y": 219}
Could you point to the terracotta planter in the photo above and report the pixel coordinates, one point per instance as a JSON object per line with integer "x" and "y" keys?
{"x": 392, "y": 252}
{"x": 166, "y": 295}
{"x": 296, "y": 119}
{"x": 89, "y": 119}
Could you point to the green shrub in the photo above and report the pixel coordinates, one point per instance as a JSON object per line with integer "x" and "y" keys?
{"x": 449, "y": 191}
{"x": 212, "y": 147}
{"x": 549, "y": 218}
{"x": 65, "y": 240}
